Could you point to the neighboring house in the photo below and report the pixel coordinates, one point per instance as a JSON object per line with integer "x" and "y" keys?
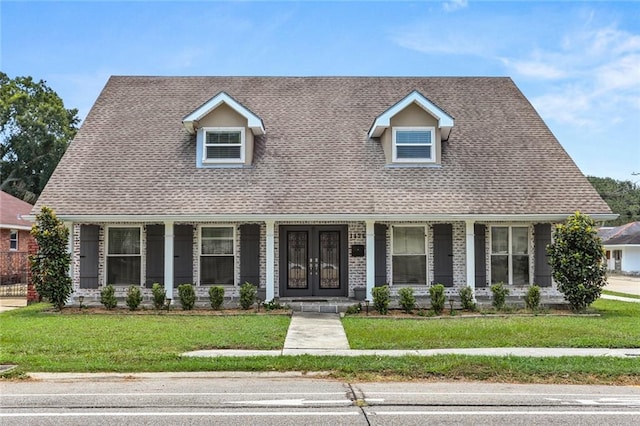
{"x": 622, "y": 245}
{"x": 15, "y": 235}
{"x": 314, "y": 187}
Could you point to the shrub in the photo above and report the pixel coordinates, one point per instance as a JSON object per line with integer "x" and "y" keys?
{"x": 466, "y": 298}
{"x": 500, "y": 293}
{"x": 532, "y": 298}
{"x": 108, "y": 297}
{"x": 577, "y": 261}
{"x": 216, "y": 297}
{"x": 134, "y": 297}
{"x": 407, "y": 299}
{"x": 436, "y": 293}
{"x": 381, "y": 299}
{"x": 50, "y": 265}
{"x": 273, "y": 305}
{"x": 247, "y": 295}
{"x": 187, "y": 296}
{"x": 157, "y": 295}
{"x": 354, "y": 309}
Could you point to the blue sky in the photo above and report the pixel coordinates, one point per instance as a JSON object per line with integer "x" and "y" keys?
{"x": 577, "y": 62}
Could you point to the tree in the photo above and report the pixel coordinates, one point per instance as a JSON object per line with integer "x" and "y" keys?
{"x": 50, "y": 265}
{"x": 577, "y": 261}
{"x": 35, "y": 130}
{"x": 622, "y": 197}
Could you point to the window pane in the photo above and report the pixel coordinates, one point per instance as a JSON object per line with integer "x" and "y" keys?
{"x": 413, "y": 137}
{"x": 124, "y": 240}
{"x": 499, "y": 269}
{"x": 223, "y": 152}
{"x": 217, "y": 246}
{"x": 216, "y": 270}
{"x": 520, "y": 270}
{"x": 123, "y": 270}
{"x": 223, "y": 137}
{"x": 519, "y": 236}
{"x": 500, "y": 240}
{"x": 413, "y": 151}
{"x": 408, "y": 240}
{"x": 217, "y": 232}
{"x": 410, "y": 269}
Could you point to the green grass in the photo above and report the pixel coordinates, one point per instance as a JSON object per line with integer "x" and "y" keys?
{"x": 617, "y": 293}
{"x": 617, "y": 327}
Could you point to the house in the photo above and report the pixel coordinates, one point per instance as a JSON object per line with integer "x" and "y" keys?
{"x": 622, "y": 246}
{"x": 15, "y": 235}
{"x": 314, "y": 187}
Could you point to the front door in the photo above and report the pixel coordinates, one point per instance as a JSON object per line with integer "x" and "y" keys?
{"x": 313, "y": 261}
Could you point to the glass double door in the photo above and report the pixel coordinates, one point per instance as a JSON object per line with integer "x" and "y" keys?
{"x": 313, "y": 261}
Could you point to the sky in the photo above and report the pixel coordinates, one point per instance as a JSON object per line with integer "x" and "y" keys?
{"x": 578, "y": 63}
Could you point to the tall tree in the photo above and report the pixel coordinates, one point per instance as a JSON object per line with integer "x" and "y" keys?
{"x": 623, "y": 197}
{"x": 35, "y": 130}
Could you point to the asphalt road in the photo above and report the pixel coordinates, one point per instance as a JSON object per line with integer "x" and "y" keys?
{"x": 201, "y": 398}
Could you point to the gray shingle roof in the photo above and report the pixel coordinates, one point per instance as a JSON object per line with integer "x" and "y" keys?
{"x": 133, "y": 156}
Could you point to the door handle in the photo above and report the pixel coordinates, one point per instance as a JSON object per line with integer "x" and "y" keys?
{"x": 314, "y": 265}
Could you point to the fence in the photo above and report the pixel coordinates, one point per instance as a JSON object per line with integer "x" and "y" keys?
{"x": 14, "y": 266}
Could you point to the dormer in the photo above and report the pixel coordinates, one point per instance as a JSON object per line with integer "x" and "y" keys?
{"x": 412, "y": 131}
{"x": 225, "y": 131}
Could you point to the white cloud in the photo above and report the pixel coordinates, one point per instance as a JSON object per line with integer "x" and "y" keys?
{"x": 453, "y": 5}
{"x": 535, "y": 69}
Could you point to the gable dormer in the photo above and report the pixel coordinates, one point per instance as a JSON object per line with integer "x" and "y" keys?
{"x": 225, "y": 131}
{"x": 412, "y": 131}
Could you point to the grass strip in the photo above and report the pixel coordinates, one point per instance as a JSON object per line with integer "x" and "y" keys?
{"x": 619, "y": 294}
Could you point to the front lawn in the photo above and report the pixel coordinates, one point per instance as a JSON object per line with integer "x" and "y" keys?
{"x": 618, "y": 326}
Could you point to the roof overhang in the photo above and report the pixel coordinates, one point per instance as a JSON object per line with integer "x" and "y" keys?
{"x": 383, "y": 121}
{"x": 16, "y": 227}
{"x": 190, "y": 122}
{"x": 342, "y": 217}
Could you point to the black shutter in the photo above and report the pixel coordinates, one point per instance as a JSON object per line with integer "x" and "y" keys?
{"x": 443, "y": 254}
{"x": 89, "y": 237}
{"x": 380, "y": 248}
{"x": 542, "y": 269}
{"x": 250, "y": 254}
{"x": 155, "y": 255}
{"x": 480, "y": 249}
{"x": 182, "y": 255}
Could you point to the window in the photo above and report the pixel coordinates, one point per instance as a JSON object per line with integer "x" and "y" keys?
{"x": 123, "y": 256}
{"x": 223, "y": 145}
{"x": 13, "y": 240}
{"x": 409, "y": 259}
{"x": 217, "y": 260}
{"x": 510, "y": 255}
{"x": 413, "y": 144}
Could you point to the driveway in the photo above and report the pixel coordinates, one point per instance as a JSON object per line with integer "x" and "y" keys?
{"x": 623, "y": 284}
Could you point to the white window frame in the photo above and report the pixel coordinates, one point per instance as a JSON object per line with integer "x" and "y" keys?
{"x": 13, "y": 240}
{"x": 207, "y": 130}
{"x": 107, "y": 255}
{"x": 200, "y": 255}
{"x": 426, "y": 251}
{"x": 431, "y": 159}
{"x": 510, "y": 253}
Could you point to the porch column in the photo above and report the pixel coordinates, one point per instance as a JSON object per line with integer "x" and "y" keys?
{"x": 371, "y": 258}
{"x": 270, "y": 261}
{"x": 471, "y": 257}
{"x": 168, "y": 259}
{"x": 69, "y": 226}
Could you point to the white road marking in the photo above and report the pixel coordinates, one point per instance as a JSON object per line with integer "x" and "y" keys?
{"x": 610, "y": 401}
{"x": 501, "y": 413}
{"x": 185, "y": 413}
{"x": 293, "y": 402}
{"x": 24, "y": 395}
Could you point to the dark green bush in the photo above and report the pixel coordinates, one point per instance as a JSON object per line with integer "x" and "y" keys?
{"x": 532, "y": 298}
{"x": 466, "y": 298}
{"x": 354, "y": 309}
{"x": 247, "y": 295}
{"x": 407, "y": 299}
{"x": 108, "y": 297}
{"x": 216, "y": 297}
{"x": 436, "y": 293}
{"x": 273, "y": 305}
{"x": 500, "y": 293}
{"x": 381, "y": 299}
{"x": 134, "y": 297}
{"x": 187, "y": 296}
{"x": 157, "y": 296}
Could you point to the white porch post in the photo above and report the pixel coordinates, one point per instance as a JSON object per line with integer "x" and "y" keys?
{"x": 371, "y": 258}
{"x": 471, "y": 257}
{"x": 168, "y": 259}
{"x": 270, "y": 261}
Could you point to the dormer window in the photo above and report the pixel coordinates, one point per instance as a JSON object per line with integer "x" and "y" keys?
{"x": 413, "y": 144}
{"x": 224, "y": 145}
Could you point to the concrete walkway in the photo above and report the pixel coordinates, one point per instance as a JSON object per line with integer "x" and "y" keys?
{"x": 323, "y": 335}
